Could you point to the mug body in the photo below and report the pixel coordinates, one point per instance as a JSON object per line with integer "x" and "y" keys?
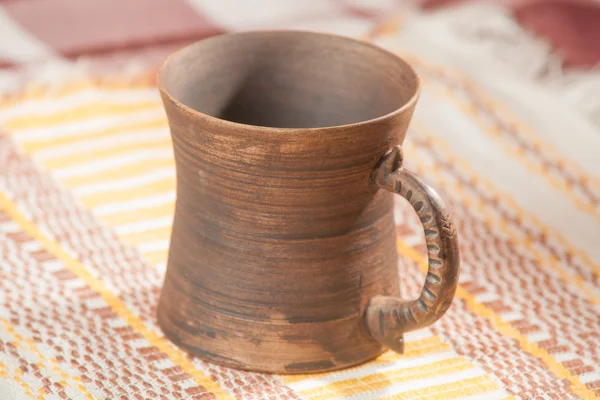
{"x": 279, "y": 240}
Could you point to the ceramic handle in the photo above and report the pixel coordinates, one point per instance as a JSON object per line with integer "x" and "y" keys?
{"x": 387, "y": 318}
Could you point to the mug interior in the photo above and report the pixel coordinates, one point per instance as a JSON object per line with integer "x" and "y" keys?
{"x": 288, "y": 79}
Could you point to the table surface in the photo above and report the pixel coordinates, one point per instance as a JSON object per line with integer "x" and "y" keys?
{"x": 87, "y": 192}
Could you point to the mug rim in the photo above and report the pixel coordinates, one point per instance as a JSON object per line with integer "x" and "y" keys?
{"x": 270, "y": 129}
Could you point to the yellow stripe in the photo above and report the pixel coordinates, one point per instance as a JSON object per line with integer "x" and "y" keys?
{"x": 517, "y": 153}
{"x": 416, "y": 348}
{"x": 153, "y": 235}
{"x": 178, "y": 357}
{"x": 139, "y": 215}
{"x": 381, "y": 380}
{"x": 504, "y": 328}
{"x": 116, "y": 196}
{"x": 467, "y": 387}
{"x": 37, "y": 92}
{"x": 488, "y": 314}
{"x": 90, "y": 110}
{"x": 156, "y": 256}
{"x": 18, "y": 377}
{"x": 52, "y": 143}
{"x": 514, "y": 206}
{"x": 84, "y": 157}
{"x": 41, "y": 364}
{"x": 385, "y": 27}
{"x": 130, "y": 170}
{"x": 566, "y": 275}
{"x": 496, "y": 105}
{"x": 413, "y": 349}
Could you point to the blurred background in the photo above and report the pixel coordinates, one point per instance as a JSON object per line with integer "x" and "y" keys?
{"x": 507, "y": 129}
{"x": 554, "y": 42}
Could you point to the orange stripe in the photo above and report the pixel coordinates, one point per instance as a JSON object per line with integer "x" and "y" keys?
{"x": 114, "y": 196}
{"x": 176, "y": 355}
{"x": 85, "y": 157}
{"x": 460, "y": 389}
{"x": 518, "y": 154}
{"x": 156, "y": 257}
{"x": 54, "y": 365}
{"x": 18, "y": 377}
{"x": 85, "y": 111}
{"x": 503, "y": 327}
{"x": 129, "y": 170}
{"x": 491, "y": 103}
{"x": 51, "y": 143}
{"x": 565, "y": 274}
{"x": 484, "y": 309}
{"x": 412, "y": 349}
{"x": 139, "y": 215}
{"x": 153, "y": 235}
{"x": 385, "y": 27}
{"x": 37, "y": 92}
{"x": 379, "y": 380}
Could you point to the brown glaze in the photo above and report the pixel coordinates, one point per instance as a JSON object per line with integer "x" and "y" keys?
{"x": 280, "y": 240}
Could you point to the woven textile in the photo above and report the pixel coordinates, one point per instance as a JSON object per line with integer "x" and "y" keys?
{"x": 87, "y": 195}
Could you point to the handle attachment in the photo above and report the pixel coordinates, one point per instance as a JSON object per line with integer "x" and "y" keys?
{"x": 387, "y": 318}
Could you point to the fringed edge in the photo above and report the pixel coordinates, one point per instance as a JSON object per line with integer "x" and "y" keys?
{"x": 486, "y": 34}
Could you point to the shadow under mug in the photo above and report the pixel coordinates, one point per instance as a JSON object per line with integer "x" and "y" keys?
{"x": 283, "y": 250}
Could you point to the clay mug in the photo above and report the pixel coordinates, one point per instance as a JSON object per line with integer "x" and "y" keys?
{"x": 283, "y": 250}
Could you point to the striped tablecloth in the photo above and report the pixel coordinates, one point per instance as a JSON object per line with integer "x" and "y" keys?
{"x": 86, "y": 203}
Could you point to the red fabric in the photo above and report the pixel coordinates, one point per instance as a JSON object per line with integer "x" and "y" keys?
{"x": 572, "y": 27}
{"x": 116, "y": 28}
{"x": 76, "y": 27}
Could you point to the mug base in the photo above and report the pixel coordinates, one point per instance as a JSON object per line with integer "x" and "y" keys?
{"x": 258, "y": 364}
